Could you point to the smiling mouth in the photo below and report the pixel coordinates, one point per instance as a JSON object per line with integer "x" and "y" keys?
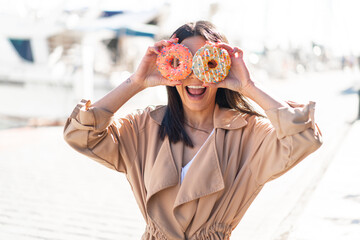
{"x": 195, "y": 91}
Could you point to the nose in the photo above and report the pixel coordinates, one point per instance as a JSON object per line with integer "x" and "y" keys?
{"x": 192, "y": 76}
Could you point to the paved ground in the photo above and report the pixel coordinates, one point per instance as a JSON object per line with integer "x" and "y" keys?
{"x": 333, "y": 211}
{"x": 48, "y": 191}
{"x": 274, "y": 213}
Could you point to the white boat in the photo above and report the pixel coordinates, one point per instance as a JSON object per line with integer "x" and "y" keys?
{"x": 53, "y": 49}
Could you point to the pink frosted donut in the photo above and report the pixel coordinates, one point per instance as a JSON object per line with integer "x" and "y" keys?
{"x": 174, "y": 62}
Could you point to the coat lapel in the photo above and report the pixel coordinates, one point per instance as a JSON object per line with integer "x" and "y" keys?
{"x": 164, "y": 173}
{"x": 228, "y": 119}
{"x": 203, "y": 178}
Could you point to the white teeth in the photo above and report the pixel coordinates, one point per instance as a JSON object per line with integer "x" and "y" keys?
{"x": 196, "y": 87}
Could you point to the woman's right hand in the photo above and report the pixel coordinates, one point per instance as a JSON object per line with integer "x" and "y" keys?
{"x": 147, "y": 74}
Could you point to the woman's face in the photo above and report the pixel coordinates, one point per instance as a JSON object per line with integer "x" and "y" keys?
{"x": 194, "y": 96}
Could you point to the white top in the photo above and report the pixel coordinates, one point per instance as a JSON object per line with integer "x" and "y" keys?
{"x": 187, "y": 166}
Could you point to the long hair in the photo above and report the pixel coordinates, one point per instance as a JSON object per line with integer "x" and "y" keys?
{"x": 173, "y": 122}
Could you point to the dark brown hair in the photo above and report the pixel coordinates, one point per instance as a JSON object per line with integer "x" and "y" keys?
{"x": 173, "y": 122}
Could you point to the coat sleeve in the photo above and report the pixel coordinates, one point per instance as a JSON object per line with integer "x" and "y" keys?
{"x": 285, "y": 140}
{"x": 94, "y": 132}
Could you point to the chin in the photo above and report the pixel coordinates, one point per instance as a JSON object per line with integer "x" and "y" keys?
{"x": 199, "y": 107}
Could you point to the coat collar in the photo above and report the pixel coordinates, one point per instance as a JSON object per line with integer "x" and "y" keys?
{"x": 205, "y": 175}
{"x": 223, "y": 117}
{"x": 164, "y": 166}
{"x": 203, "y": 178}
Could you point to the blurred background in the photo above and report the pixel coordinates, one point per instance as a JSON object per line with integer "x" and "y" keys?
{"x": 54, "y": 53}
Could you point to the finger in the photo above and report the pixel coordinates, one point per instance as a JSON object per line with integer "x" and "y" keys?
{"x": 172, "y": 83}
{"x": 221, "y": 84}
{"x": 161, "y": 80}
{"x": 234, "y": 52}
{"x": 225, "y": 46}
{"x": 238, "y": 51}
{"x": 153, "y": 50}
{"x": 174, "y": 38}
{"x": 163, "y": 43}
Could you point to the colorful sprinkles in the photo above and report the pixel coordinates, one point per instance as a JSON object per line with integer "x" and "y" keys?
{"x": 199, "y": 63}
{"x": 174, "y": 52}
{"x": 211, "y": 53}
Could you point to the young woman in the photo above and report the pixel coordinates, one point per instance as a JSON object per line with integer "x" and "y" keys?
{"x": 196, "y": 164}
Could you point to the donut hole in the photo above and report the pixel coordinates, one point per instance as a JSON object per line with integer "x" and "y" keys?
{"x": 212, "y": 64}
{"x": 174, "y": 62}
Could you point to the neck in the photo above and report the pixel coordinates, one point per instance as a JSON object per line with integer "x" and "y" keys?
{"x": 200, "y": 119}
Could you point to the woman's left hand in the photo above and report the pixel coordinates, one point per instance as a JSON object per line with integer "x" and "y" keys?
{"x": 239, "y": 78}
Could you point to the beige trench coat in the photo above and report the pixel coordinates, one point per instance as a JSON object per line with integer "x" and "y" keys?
{"x": 244, "y": 153}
